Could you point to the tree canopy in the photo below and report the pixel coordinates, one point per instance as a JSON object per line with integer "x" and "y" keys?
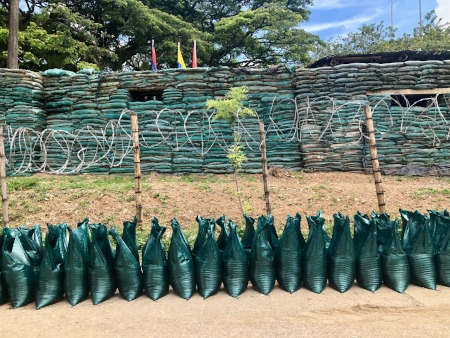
{"x": 117, "y": 34}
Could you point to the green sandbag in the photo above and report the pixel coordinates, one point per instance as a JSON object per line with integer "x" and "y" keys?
{"x": 341, "y": 255}
{"x": 368, "y": 261}
{"x": 223, "y": 236}
{"x": 248, "y": 235}
{"x": 154, "y": 264}
{"x": 50, "y": 286}
{"x": 262, "y": 264}
{"x": 76, "y": 286}
{"x": 289, "y": 255}
{"x": 315, "y": 254}
{"x": 235, "y": 264}
{"x": 3, "y": 293}
{"x": 394, "y": 261}
{"x": 418, "y": 245}
{"x": 180, "y": 263}
{"x": 31, "y": 239}
{"x": 126, "y": 267}
{"x": 208, "y": 266}
{"x": 101, "y": 277}
{"x": 271, "y": 231}
{"x": 18, "y": 272}
{"x": 440, "y": 222}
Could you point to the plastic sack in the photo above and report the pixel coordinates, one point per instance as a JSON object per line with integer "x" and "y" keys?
{"x": 368, "y": 261}
{"x": 262, "y": 264}
{"x": 223, "y": 236}
{"x": 76, "y": 286}
{"x": 50, "y": 285}
{"x": 180, "y": 263}
{"x": 235, "y": 264}
{"x": 18, "y": 272}
{"x": 126, "y": 266}
{"x": 394, "y": 261}
{"x": 3, "y": 292}
{"x": 208, "y": 266}
{"x": 418, "y": 245}
{"x": 31, "y": 239}
{"x": 341, "y": 255}
{"x": 289, "y": 255}
{"x": 101, "y": 277}
{"x": 440, "y": 223}
{"x": 315, "y": 254}
{"x": 154, "y": 264}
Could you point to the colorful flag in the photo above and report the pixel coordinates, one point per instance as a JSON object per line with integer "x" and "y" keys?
{"x": 154, "y": 67}
{"x": 180, "y": 61}
{"x": 194, "y": 55}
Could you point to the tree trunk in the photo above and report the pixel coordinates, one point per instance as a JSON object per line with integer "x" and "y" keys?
{"x": 13, "y": 39}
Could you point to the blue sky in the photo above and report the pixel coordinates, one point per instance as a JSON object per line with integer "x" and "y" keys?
{"x": 338, "y": 17}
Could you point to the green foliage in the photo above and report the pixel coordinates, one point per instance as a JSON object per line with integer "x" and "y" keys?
{"x": 375, "y": 38}
{"x": 236, "y": 156}
{"x": 232, "y": 107}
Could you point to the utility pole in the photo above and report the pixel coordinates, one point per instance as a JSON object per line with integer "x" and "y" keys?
{"x": 392, "y": 14}
{"x": 13, "y": 39}
{"x": 420, "y": 17}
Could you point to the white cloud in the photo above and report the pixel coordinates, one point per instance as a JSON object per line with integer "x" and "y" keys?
{"x": 333, "y": 4}
{"x": 443, "y": 10}
{"x": 348, "y": 24}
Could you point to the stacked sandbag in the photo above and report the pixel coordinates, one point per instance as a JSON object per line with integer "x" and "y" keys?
{"x": 154, "y": 264}
{"x": 17, "y": 270}
{"x": 235, "y": 264}
{"x": 440, "y": 231}
{"x": 126, "y": 262}
{"x": 50, "y": 285}
{"x": 180, "y": 263}
{"x": 102, "y": 280}
{"x": 208, "y": 265}
{"x": 394, "y": 261}
{"x": 76, "y": 264}
{"x": 368, "y": 262}
{"x": 315, "y": 254}
{"x": 262, "y": 262}
{"x": 289, "y": 255}
{"x": 418, "y": 245}
{"x": 31, "y": 239}
{"x": 341, "y": 255}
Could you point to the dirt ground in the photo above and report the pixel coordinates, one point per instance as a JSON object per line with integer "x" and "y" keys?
{"x": 418, "y": 312}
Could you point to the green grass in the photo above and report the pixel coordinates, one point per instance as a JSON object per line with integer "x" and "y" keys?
{"x": 430, "y": 192}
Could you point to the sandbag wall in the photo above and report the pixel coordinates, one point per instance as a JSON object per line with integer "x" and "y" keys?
{"x": 412, "y": 137}
{"x": 314, "y": 119}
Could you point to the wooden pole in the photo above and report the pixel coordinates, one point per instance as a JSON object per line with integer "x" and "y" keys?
{"x": 137, "y": 167}
{"x": 13, "y": 38}
{"x": 265, "y": 172}
{"x": 374, "y": 159}
{"x": 3, "y": 180}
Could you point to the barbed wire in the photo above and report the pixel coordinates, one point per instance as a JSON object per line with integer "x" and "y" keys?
{"x": 322, "y": 119}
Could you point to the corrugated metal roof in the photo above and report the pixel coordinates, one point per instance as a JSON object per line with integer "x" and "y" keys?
{"x": 385, "y": 57}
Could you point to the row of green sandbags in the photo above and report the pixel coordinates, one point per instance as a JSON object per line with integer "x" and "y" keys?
{"x": 93, "y": 264}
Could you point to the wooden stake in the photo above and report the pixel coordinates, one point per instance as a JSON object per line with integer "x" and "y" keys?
{"x": 137, "y": 167}
{"x": 374, "y": 158}
{"x": 265, "y": 173}
{"x": 3, "y": 180}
